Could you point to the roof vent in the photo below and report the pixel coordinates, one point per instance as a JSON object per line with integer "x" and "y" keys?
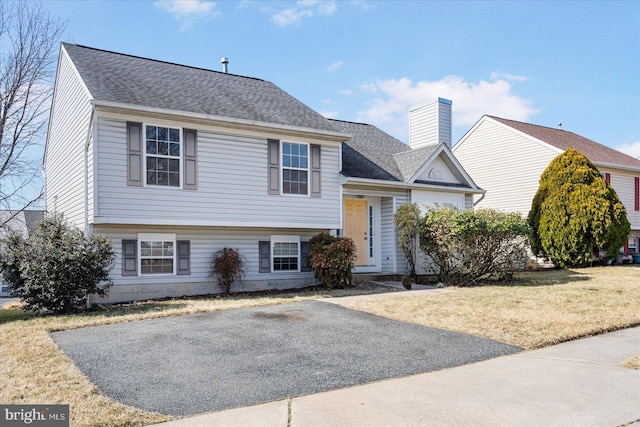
{"x": 225, "y": 62}
{"x": 559, "y": 124}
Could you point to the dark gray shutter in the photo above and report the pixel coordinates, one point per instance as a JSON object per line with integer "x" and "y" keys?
{"x": 316, "y": 178}
{"x": 264, "y": 249}
{"x": 134, "y": 160}
{"x": 273, "y": 154}
{"x": 190, "y": 180}
{"x": 304, "y": 256}
{"x": 184, "y": 256}
{"x": 129, "y": 257}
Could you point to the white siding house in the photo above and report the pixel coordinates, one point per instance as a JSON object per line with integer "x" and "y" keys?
{"x": 506, "y": 158}
{"x": 173, "y": 163}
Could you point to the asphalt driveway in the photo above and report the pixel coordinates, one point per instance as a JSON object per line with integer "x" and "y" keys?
{"x": 209, "y": 362}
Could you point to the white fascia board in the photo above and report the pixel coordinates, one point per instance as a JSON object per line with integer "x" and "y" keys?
{"x": 227, "y": 121}
{"x": 102, "y": 220}
{"x": 409, "y": 186}
{"x": 527, "y": 136}
{"x": 447, "y": 151}
{"x": 466, "y": 135}
{"x": 617, "y": 166}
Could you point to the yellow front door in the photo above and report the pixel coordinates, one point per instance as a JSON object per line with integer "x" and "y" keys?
{"x": 355, "y": 226}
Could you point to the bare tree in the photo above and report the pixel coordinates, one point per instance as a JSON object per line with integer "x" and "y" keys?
{"x": 28, "y": 52}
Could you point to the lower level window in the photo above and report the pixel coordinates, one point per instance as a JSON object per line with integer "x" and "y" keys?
{"x": 286, "y": 256}
{"x": 157, "y": 254}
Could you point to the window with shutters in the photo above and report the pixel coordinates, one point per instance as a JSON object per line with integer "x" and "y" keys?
{"x": 162, "y": 156}
{"x": 157, "y": 253}
{"x": 285, "y": 253}
{"x": 295, "y": 168}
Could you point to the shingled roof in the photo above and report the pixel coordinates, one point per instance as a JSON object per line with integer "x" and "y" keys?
{"x": 562, "y": 139}
{"x": 374, "y": 154}
{"x": 131, "y": 80}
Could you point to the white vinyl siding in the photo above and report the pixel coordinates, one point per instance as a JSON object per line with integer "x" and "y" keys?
{"x": 624, "y": 184}
{"x": 505, "y": 164}
{"x": 204, "y": 241}
{"x": 430, "y": 124}
{"x": 232, "y": 185}
{"x": 64, "y": 162}
{"x": 401, "y": 262}
{"x": 387, "y": 240}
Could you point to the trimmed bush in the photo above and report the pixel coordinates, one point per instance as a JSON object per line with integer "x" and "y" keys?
{"x": 57, "y": 266}
{"x": 575, "y": 211}
{"x": 467, "y": 247}
{"x": 407, "y": 222}
{"x": 228, "y": 266}
{"x": 332, "y": 259}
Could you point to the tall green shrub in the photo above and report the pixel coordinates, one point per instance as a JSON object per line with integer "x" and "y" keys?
{"x": 576, "y": 211}
{"x": 332, "y": 259}
{"x": 56, "y": 267}
{"x": 407, "y": 222}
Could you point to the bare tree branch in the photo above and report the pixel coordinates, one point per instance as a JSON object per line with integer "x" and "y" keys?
{"x": 28, "y": 53}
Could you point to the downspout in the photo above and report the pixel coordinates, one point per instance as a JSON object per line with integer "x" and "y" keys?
{"x": 86, "y": 182}
{"x": 86, "y": 171}
{"x": 479, "y": 200}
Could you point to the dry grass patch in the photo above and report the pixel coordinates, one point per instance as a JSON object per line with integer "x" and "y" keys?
{"x": 34, "y": 371}
{"x": 633, "y": 363}
{"x": 536, "y": 310}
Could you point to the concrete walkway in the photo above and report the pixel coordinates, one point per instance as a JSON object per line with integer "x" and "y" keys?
{"x": 570, "y": 384}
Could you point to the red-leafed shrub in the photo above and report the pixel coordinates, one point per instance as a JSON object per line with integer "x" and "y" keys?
{"x": 228, "y": 266}
{"x": 332, "y": 259}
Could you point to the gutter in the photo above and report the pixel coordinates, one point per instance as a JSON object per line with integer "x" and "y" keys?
{"x": 226, "y": 121}
{"x": 406, "y": 185}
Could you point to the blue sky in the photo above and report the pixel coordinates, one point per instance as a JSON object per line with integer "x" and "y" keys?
{"x": 543, "y": 62}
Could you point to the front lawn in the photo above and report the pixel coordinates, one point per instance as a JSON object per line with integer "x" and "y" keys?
{"x": 537, "y": 309}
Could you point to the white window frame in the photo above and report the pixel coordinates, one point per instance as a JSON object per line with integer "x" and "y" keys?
{"x": 180, "y": 158}
{"x": 635, "y": 244}
{"x": 284, "y": 239}
{"x": 157, "y": 237}
{"x": 283, "y": 167}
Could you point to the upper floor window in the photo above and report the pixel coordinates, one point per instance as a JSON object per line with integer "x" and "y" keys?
{"x": 162, "y": 156}
{"x": 295, "y": 168}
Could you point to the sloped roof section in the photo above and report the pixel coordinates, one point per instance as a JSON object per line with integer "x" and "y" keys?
{"x": 410, "y": 161}
{"x": 126, "y": 79}
{"x": 562, "y": 139}
{"x": 369, "y": 152}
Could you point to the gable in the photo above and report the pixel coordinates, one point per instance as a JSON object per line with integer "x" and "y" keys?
{"x": 439, "y": 170}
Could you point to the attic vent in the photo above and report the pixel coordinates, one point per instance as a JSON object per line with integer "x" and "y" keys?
{"x": 225, "y": 62}
{"x": 435, "y": 174}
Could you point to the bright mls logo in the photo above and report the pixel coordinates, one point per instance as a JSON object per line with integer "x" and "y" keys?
{"x": 35, "y": 415}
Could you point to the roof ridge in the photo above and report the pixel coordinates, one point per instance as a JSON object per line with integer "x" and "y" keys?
{"x": 352, "y": 122}
{"x": 161, "y": 61}
{"x": 533, "y": 124}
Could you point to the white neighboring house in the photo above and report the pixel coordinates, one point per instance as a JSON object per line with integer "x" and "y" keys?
{"x": 21, "y": 222}
{"x": 173, "y": 163}
{"x": 507, "y": 157}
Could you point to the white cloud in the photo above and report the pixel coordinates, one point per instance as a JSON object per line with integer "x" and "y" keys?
{"x": 188, "y": 12}
{"x": 338, "y": 64}
{"x": 303, "y": 9}
{"x": 471, "y": 100}
{"x": 508, "y": 77}
{"x": 345, "y": 92}
{"x": 330, "y": 114}
{"x": 632, "y": 149}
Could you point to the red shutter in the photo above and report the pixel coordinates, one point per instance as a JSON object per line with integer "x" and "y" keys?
{"x": 637, "y": 180}
{"x": 607, "y": 178}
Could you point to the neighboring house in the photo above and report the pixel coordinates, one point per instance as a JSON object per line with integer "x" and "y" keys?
{"x": 17, "y": 222}
{"x": 174, "y": 163}
{"x": 506, "y": 158}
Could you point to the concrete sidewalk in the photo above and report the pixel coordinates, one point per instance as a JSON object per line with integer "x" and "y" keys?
{"x": 570, "y": 384}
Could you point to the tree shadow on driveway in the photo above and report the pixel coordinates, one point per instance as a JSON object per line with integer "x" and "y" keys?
{"x": 214, "y": 361}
